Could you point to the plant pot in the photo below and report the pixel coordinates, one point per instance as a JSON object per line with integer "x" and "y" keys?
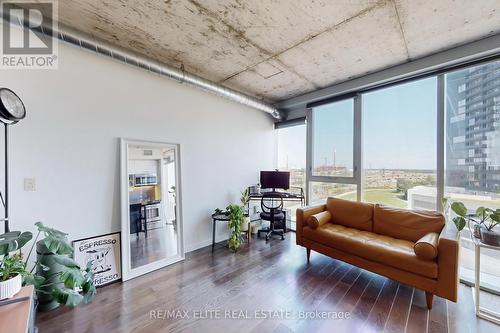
{"x": 45, "y": 300}
{"x": 255, "y": 228}
{"x": 10, "y": 287}
{"x": 490, "y": 237}
{"x": 244, "y": 224}
{"x": 477, "y": 231}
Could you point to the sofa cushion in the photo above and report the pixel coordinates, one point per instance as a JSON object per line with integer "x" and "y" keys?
{"x": 351, "y": 214}
{"x": 319, "y": 219}
{"x": 406, "y": 224}
{"x": 427, "y": 246}
{"x": 386, "y": 250}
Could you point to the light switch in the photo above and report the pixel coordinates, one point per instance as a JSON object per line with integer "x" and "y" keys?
{"x": 29, "y": 184}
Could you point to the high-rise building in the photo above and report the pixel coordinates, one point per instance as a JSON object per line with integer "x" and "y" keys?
{"x": 473, "y": 128}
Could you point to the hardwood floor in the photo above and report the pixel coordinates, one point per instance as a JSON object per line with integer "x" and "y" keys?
{"x": 264, "y": 277}
{"x": 159, "y": 244}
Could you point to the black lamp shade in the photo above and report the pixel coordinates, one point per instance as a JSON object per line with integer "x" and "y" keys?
{"x": 11, "y": 107}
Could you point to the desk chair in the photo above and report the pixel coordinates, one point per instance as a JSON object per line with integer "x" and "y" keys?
{"x": 272, "y": 211}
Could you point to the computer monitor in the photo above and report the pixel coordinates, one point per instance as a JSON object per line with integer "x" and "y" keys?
{"x": 275, "y": 179}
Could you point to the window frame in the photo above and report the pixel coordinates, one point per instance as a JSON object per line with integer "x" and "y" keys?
{"x": 357, "y": 176}
{"x": 358, "y": 168}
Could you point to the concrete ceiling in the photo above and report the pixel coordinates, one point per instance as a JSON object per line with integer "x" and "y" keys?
{"x": 277, "y": 49}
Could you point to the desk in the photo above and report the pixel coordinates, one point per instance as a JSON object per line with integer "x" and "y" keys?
{"x": 295, "y": 194}
{"x": 18, "y": 317}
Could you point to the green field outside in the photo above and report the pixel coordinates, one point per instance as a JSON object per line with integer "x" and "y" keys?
{"x": 382, "y": 196}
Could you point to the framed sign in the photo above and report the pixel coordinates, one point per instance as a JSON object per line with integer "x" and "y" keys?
{"x": 104, "y": 253}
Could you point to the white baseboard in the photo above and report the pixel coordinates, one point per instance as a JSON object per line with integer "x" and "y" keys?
{"x": 196, "y": 246}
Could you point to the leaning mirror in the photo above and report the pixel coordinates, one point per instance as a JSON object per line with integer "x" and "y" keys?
{"x": 151, "y": 219}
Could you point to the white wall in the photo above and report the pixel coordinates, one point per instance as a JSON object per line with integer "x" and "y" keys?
{"x": 69, "y": 142}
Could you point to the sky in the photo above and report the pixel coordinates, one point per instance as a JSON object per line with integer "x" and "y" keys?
{"x": 399, "y": 130}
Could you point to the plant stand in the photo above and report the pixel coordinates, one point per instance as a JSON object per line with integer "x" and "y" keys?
{"x": 480, "y": 311}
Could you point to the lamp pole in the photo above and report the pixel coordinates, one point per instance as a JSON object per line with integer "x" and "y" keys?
{"x": 7, "y": 229}
{"x": 11, "y": 111}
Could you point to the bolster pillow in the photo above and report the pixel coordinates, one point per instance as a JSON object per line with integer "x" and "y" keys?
{"x": 427, "y": 247}
{"x": 319, "y": 219}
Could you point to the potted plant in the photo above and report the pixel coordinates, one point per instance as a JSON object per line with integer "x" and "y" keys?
{"x": 12, "y": 267}
{"x": 484, "y": 220}
{"x": 63, "y": 282}
{"x": 236, "y": 219}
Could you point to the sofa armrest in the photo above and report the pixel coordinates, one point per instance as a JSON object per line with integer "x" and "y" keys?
{"x": 448, "y": 264}
{"x": 302, "y": 216}
{"x": 426, "y": 248}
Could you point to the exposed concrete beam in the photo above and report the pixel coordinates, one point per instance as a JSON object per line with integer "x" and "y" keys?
{"x": 481, "y": 49}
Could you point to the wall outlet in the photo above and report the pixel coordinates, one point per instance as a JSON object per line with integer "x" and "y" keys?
{"x": 29, "y": 184}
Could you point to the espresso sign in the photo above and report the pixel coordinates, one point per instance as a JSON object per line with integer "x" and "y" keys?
{"x": 104, "y": 254}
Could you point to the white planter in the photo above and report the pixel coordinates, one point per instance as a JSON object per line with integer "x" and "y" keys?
{"x": 255, "y": 228}
{"x": 10, "y": 287}
{"x": 244, "y": 225}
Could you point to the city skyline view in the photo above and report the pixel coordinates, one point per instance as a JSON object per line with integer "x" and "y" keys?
{"x": 406, "y": 112}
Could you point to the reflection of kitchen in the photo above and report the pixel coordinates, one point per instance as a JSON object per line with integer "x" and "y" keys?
{"x": 152, "y": 200}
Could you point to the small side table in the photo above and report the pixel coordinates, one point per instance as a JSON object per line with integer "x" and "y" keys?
{"x": 215, "y": 218}
{"x": 19, "y": 317}
{"x": 225, "y": 218}
{"x": 480, "y": 311}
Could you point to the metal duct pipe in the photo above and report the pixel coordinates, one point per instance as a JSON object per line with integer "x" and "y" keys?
{"x": 86, "y": 41}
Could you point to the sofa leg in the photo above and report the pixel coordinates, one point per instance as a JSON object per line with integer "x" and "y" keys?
{"x": 428, "y": 299}
{"x": 308, "y": 254}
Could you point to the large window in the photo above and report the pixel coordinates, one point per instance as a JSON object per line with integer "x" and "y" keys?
{"x": 320, "y": 191}
{"x": 291, "y": 144}
{"x": 399, "y": 145}
{"x": 472, "y": 153}
{"x": 411, "y": 144}
{"x": 333, "y": 139}
{"x": 292, "y": 153}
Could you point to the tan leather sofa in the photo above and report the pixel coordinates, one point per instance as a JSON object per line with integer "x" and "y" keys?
{"x": 413, "y": 247}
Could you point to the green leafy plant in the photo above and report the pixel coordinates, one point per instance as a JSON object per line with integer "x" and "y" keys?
{"x": 56, "y": 241}
{"x": 245, "y": 197}
{"x": 12, "y": 266}
{"x": 484, "y": 217}
{"x": 236, "y": 218}
{"x": 77, "y": 282}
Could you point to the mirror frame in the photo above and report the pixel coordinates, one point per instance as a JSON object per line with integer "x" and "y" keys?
{"x": 127, "y": 271}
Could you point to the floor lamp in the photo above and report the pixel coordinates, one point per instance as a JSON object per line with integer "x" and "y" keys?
{"x": 11, "y": 111}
